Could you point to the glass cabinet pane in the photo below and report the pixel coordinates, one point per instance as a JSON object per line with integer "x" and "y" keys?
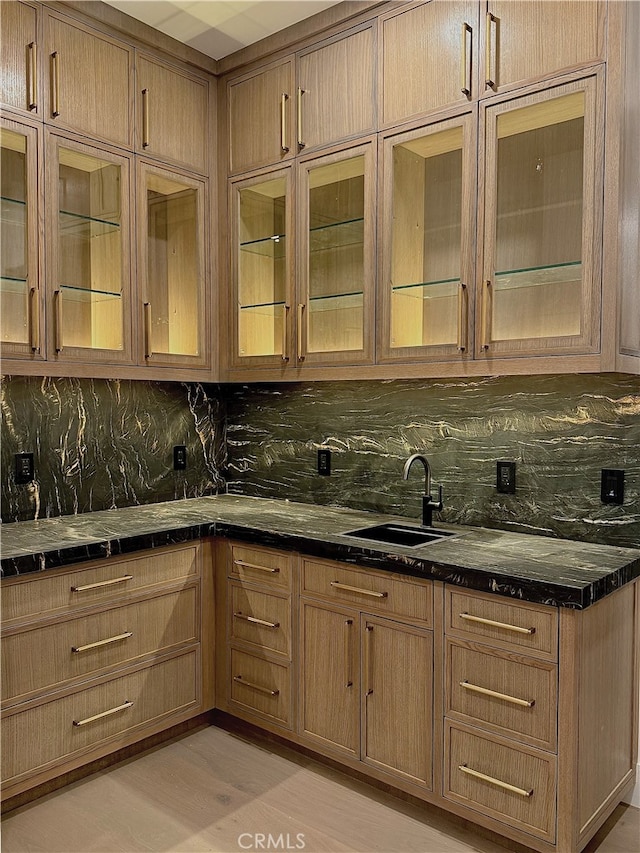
{"x": 262, "y": 268}
{"x": 14, "y": 258}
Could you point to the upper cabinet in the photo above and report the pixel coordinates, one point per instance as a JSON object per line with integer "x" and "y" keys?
{"x": 19, "y": 58}
{"x": 173, "y": 114}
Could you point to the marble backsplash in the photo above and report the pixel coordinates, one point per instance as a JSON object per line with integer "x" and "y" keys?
{"x": 560, "y": 430}
{"x": 100, "y": 444}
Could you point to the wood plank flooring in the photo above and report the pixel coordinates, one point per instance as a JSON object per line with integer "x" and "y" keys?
{"x": 214, "y": 790}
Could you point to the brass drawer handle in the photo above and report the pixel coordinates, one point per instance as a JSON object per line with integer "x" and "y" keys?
{"x": 283, "y": 123}
{"x": 285, "y": 335}
{"x": 108, "y": 713}
{"x": 55, "y": 84}
{"x": 95, "y": 645}
{"x": 486, "y": 692}
{"x": 300, "y": 332}
{"x": 495, "y": 624}
{"x": 465, "y": 77}
{"x": 255, "y": 620}
{"x": 148, "y": 321}
{"x": 463, "y": 316}
{"x": 498, "y": 782}
{"x": 489, "y": 80}
{"x": 338, "y": 585}
{"x": 244, "y": 565}
{"x": 145, "y": 118}
{"x": 101, "y": 583}
{"x": 257, "y": 687}
{"x": 34, "y": 318}
{"x": 347, "y": 651}
{"x": 301, "y": 92}
{"x": 33, "y": 77}
{"x": 57, "y": 300}
{"x": 367, "y": 666}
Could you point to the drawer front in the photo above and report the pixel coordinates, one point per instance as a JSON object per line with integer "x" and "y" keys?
{"x": 507, "y": 694}
{"x": 514, "y": 786}
{"x": 47, "y": 657}
{"x": 370, "y": 591}
{"x": 49, "y": 733}
{"x": 261, "y": 565}
{"x": 261, "y": 686}
{"x": 523, "y": 627}
{"x": 102, "y": 581}
{"x": 260, "y": 619}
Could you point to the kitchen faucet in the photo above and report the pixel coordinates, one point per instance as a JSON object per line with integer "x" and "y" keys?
{"x": 427, "y": 504}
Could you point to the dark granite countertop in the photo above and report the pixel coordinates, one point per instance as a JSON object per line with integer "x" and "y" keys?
{"x": 532, "y": 568}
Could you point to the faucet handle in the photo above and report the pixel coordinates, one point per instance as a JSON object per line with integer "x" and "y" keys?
{"x": 439, "y": 504}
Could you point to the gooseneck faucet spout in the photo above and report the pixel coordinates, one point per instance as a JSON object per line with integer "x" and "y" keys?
{"x": 428, "y": 505}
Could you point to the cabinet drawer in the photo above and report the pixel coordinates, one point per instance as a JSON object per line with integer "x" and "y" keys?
{"x": 100, "y": 582}
{"x": 385, "y": 593}
{"x": 261, "y": 565}
{"x": 524, "y": 627}
{"x": 260, "y": 619}
{"x": 505, "y": 693}
{"x": 47, "y": 657}
{"x": 48, "y": 733}
{"x": 515, "y": 786}
{"x": 261, "y": 686}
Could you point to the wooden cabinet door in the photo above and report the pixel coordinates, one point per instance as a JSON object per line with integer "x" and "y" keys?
{"x": 173, "y": 107}
{"x": 89, "y": 76}
{"x": 336, "y": 89}
{"x": 18, "y": 58}
{"x": 397, "y": 690}
{"x": 260, "y": 117}
{"x": 525, "y": 40}
{"x": 330, "y": 678}
{"x": 427, "y": 58}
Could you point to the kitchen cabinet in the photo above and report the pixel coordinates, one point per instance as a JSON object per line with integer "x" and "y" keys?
{"x": 21, "y": 305}
{"x": 439, "y": 41}
{"x": 172, "y": 266}
{"x": 19, "y": 83}
{"x": 173, "y": 110}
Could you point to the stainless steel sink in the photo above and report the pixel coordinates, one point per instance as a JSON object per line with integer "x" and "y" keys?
{"x": 401, "y": 534}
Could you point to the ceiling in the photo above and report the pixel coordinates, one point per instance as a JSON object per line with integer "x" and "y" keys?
{"x": 220, "y": 27}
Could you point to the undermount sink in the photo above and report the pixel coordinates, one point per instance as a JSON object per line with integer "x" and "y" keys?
{"x": 400, "y": 534}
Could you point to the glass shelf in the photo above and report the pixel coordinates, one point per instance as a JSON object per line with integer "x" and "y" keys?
{"x": 336, "y": 301}
{"x": 336, "y": 235}
{"x": 261, "y": 305}
{"x": 431, "y": 289}
{"x": 270, "y": 247}
{"x": 86, "y": 226}
{"x": 11, "y": 284}
{"x": 13, "y": 211}
{"x": 85, "y": 294}
{"x": 539, "y": 276}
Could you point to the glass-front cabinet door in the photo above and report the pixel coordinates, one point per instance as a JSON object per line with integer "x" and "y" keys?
{"x": 20, "y": 302}
{"x": 89, "y": 270}
{"x": 542, "y": 223}
{"x": 336, "y": 264}
{"x": 262, "y": 269}
{"x": 427, "y": 257}
{"x": 172, "y": 267}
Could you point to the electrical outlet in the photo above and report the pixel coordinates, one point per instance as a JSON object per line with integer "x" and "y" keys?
{"x": 506, "y": 477}
{"x": 612, "y": 486}
{"x": 179, "y": 457}
{"x": 324, "y": 462}
{"x": 24, "y": 467}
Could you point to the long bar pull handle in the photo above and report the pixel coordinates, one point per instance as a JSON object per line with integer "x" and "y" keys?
{"x": 283, "y": 123}
{"x": 108, "y": 713}
{"x": 255, "y": 620}
{"x": 525, "y": 703}
{"x": 34, "y": 318}
{"x": 347, "y": 651}
{"x": 489, "y": 81}
{"x": 494, "y": 624}
{"x": 498, "y": 782}
{"x": 55, "y": 84}
{"x": 285, "y": 333}
{"x": 299, "y": 332}
{"x": 145, "y": 118}
{"x": 148, "y": 349}
{"x": 57, "y": 298}
{"x": 32, "y": 95}
{"x": 301, "y": 92}
{"x": 98, "y": 643}
{"x": 258, "y": 687}
{"x": 244, "y": 565}
{"x": 463, "y": 316}
{"x": 367, "y": 651}
{"x": 484, "y": 315}
{"x": 372, "y": 592}
{"x": 101, "y": 583}
{"x": 465, "y": 68}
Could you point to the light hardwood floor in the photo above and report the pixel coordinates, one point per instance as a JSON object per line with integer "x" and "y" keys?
{"x": 213, "y": 790}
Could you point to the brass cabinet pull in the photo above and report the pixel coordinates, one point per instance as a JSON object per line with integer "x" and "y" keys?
{"x": 34, "y": 318}
{"x": 257, "y": 687}
{"x": 108, "y": 713}
{"x": 55, "y": 84}
{"x": 486, "y": 692}
{"x": 465, "y": 76}
{"x": 244, "y": 565}
{"x": 283, "y": 123}
{"x": 285, "y": 336}
{"x": 484, "y": 315}
{"x": 494, "y": 624}
{"x": 301, "y": 92}
{"x": 367, "y": 649}
{"x": 101, "y": 583}
{"x": 463, "y": 316}
{"x": 372, "y": 592}
{"x": 347, "y": 651}
{"x": 57, "y": 298}
{"x": 148, "y": 350}
{"x": 33, "y": 77}
{"x": 489, "y": 81}
{"x": 125, "y": 636}
{"x": 492, "y": 781}
{"x": 255, "y": 620}
{"x": 299, "y": 332}
{"x": 145, "y": 118}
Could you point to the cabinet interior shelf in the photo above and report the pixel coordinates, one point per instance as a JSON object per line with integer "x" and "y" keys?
{"x": 569, "y": 272}
{"x": 86, "y": 226}
{"x": 261, "y": 305}
{"x": 435, "y": 288}
{"x": 13, "y": 211}
{"x": 11, "y": 284}
{"x": 336, "y": 235}
{"x": 270, "y": 247}
{"x": 86, "y": 294}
